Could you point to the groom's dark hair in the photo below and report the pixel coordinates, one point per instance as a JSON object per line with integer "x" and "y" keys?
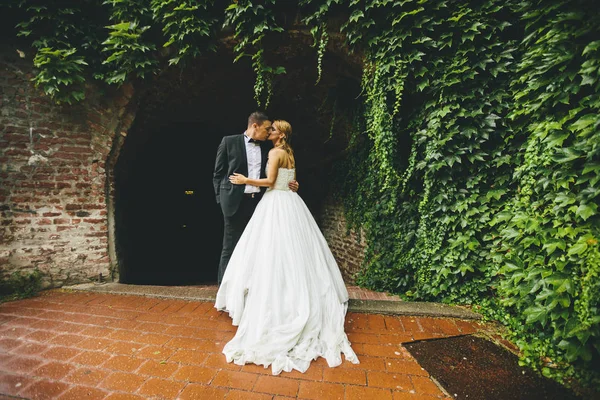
{"x": 258, "y": 117}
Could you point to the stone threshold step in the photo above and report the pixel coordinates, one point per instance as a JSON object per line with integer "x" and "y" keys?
{"x": 208, "y": 294}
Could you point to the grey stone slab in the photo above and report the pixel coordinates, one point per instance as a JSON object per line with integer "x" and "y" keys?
{"x": 169, "y": 292}
{"x": 415, "y": 308}
{"x": 194, "y": 293}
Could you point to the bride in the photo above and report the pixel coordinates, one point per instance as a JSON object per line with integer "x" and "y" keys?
{"x": 282, "y": 286}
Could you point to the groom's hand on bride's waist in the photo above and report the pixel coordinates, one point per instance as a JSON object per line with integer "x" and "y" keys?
{"x": 294, "y": 185}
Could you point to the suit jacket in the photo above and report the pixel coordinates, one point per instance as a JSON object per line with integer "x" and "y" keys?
{"x": 231, "y": 157}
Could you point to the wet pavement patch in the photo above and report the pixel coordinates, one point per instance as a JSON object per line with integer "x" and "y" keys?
{"x": 474, "y": 368}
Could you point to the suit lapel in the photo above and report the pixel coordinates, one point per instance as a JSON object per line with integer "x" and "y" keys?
{"x": 264, "y": 153}
{"x": 244, "y": 157}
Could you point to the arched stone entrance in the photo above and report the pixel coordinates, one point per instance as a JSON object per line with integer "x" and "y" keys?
{"x": 167, "y": 225}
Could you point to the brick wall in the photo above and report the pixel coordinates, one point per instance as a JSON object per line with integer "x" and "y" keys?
{"x": 53, "y": 178}
{"x": 347, "y": 248}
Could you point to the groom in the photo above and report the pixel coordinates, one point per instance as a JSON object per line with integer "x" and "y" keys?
{"x": 245, "y": 154}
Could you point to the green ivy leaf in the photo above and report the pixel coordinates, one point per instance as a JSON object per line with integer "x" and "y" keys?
{"x": 586, "y": 210}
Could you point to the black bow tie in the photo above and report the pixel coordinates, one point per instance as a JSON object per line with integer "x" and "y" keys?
{"x": 253, "y": 141}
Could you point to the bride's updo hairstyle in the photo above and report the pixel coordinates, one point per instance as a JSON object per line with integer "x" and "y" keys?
{"x": 286, "y": 128}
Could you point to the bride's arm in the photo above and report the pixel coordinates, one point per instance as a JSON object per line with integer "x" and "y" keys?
{"x": 272, "y": 170}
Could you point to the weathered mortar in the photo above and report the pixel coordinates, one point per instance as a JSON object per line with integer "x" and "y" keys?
{"x": 53, "y": 178}
{"x": 347, "y": 247}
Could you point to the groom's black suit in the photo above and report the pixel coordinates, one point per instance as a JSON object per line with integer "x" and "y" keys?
{"x": 237, "y": 207}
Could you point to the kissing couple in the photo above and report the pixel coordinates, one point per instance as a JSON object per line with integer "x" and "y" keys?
{"x": 278, "y": 279}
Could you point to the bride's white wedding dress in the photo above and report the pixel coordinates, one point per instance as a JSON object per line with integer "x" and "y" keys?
{"x": 283, "y": 288}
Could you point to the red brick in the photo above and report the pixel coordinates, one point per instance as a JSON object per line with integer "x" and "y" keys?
{"x": 159, "y": 369}
{"x": 313, "y": 373}
{"x": 257, "y": 369}
{"x": 155, "y": 353}
{"x": 276, "y": 385}
{"x": 83, "y": 392}
{"x": 30, "y": 349}
{"x": 234, "y": 379}
{"x": 467, "y": 326}
{"x": 241, "y": 395}
{"x": 192, "y": 373}
{"x": 124, "y": 324}
{"x": 7, "y": 344}
{"x": 60, "y": 353}
{"x": 407, "y": 367}
{"x": 12, "y": 384}
{"x": 201, "y": 392}
{"x": 123, "y": 363}
{"x": 40, "y": 336}
{"x": 345, "y": 375}
{"x": 124, "y": 348}
{"x": 396, "y": 338}
{"x": 86, "y": 376}
{"x": 97, "y": 331}
{"x": 44, "y": 390}
{"x": 92, "y": 358}
{"x": 355, "y": 337}
{"x": 94, "y": 344}
{"x": 54, "y": 370}
{"x": 364, "y": 393}
{"x": 378, "y": 350}
{"x": 427, "y": 335}
{"x": 321, "y": 390}
{"x": 393, "y": 323}
{"x": 151, "y": 338}
{"x": 182, "y": 331}
{"x": 411, "y": 324}
{"x": 399, "y": 395}
{"x": 425, "y": 385}
{"x": 153, "y": 327}
{"x": 189, "y": 307}
{"x": 431, "y": 325}
{"x": 124, "y": 396}
{"x": 161, "y": 388}
{"x": 389, "y": 380}
{"x": 16, "y": 332}
{"x": 69, "y": 327}
{"x": 356, "y": 323}
{"x": 192, "y": 344}
{"x": 448, "y": 327}
{"x": 191, "y": 357}
{"x": 214, "y": 335}
{"x": 66, "y": 339}
{"x": 20, "y": 364}
{"x": 123, "y": 381}
{"x": 202, "y": 309}
{"x": 376, "y": 322}
{"x": 366, "y": 363}
{"x": 123, "y": 335}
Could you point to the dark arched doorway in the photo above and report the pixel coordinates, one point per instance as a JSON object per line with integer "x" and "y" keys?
{"x": 168, "y": 227}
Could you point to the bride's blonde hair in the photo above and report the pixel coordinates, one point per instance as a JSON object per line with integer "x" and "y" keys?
{"x": 286, "y": 128}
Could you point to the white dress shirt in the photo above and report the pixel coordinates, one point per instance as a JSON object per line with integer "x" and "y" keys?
{"x": 253, "y": 153}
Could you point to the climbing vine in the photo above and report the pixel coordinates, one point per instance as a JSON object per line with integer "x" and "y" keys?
{"x": 473, "y": 167}
{"x": 252, "y": 22}
{"x": 496, "y": 104}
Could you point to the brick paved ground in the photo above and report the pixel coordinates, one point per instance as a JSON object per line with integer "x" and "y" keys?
{"x": 83, "y": 345}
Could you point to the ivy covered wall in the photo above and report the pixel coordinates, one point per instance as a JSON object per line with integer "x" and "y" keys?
{"x": 474, "y": 164}
{"x": 480, "y": 139}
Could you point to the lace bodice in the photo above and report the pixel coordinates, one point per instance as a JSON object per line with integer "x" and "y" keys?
{"x": 284, "y": 176}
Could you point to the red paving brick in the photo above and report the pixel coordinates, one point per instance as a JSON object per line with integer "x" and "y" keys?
{"x": 74, "y": 345}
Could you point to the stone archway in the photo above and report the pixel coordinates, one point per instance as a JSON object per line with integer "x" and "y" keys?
{"x": 167, "y": 225}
